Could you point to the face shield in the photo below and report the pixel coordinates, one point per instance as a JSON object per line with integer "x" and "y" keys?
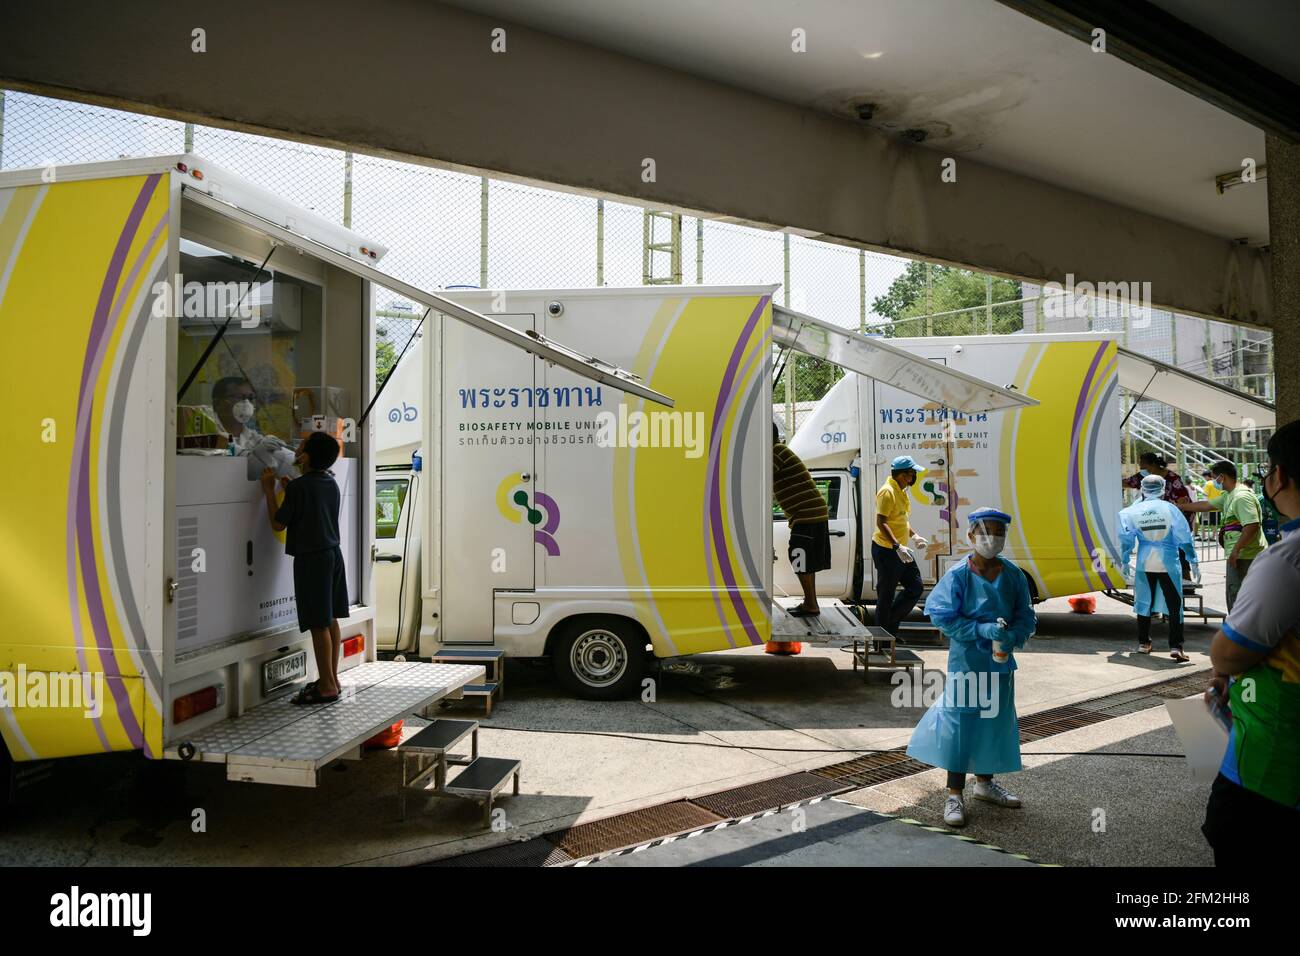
{"x": 988, "y": 531}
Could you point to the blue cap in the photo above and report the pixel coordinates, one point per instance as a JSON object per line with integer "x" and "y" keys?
{"x": 988, "y": 514}
{"x": 905, "y": 463}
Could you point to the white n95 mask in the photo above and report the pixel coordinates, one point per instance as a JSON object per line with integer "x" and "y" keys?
{"x": 989, "y": 545}
{"x": 243, "y": 411}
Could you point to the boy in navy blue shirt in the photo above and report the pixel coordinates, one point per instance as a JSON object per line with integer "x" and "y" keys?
{"x": 310, "y": 514}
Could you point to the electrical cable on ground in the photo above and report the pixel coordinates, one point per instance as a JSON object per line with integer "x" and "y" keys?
{"x": 803, "y": 750}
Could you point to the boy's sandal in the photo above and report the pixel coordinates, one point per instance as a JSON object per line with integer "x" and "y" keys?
{"x": 311, "y": 695}
{"x": 1144, "y": 648}
{"x": 1178, "y": 655}
{"x": 801, "y": 611}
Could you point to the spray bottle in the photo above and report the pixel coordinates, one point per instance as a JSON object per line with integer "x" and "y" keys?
{"x": 1001, "y": 651}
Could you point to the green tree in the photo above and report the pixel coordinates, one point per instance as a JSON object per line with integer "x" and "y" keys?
{"x": 385, "y": 356}
{"x": 951, "y": 290}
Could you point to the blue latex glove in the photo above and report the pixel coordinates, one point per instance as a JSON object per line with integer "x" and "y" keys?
{"x": 990, "y": 631}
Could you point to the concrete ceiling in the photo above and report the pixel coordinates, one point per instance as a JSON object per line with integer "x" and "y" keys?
{"x": 1266, "y": 31}
{"x": 980, "y": 79}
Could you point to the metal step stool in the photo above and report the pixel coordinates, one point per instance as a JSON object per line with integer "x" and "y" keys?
{"x": 430, "y": 751}
{"x": 880, "y": 650}
{"x": 493, "y": 661}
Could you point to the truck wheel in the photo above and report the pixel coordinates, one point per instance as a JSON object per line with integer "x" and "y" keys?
{"x": 600, "y": 658}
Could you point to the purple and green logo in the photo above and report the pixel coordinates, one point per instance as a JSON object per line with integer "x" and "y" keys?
{"x": 512, "y": 502}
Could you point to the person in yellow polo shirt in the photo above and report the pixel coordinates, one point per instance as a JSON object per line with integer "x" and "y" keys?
{"x": 894, "y": 562}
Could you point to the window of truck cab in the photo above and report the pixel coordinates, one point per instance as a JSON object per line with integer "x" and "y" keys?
{"x": 828, "y": 486}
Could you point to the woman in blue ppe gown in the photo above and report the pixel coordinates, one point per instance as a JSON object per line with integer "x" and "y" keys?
{"x": 972, "y": 728}
{"x": 1159, "y": 532}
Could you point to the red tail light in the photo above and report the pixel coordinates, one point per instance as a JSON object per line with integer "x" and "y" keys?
{"x": 354, "y": 645}
{"x": 195, "y": 703}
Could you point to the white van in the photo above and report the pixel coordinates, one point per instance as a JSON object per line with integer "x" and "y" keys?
{"x": 561, "y": 520}
{"x": 1054, "y": 467}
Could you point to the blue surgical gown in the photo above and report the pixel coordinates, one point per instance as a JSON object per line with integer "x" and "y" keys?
{"x": 1158, "y": 528}
{"x": 972, "y": 728}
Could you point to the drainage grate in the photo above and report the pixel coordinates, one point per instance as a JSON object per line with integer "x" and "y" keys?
{"x": 531, "y": 853}
{"x": 1057, "y": 721}
{"x": 1181, "y": 687}
{"x": 1112, "y": 701}
{"x": 1130, "y": 705}
{"x": 629, "y": 829}
{"x": 767, "y": 795}
{"x": 872, "y": 769}
{"x": 1153, "y": 695}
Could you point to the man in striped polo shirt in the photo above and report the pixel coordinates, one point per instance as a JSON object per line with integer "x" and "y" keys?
{"x": 805, "y": 509}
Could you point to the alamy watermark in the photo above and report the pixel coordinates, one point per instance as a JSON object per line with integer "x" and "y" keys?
{"x": 1079, "y": 300}
{"x": 32, "y": 690}
{"x": 208, "y": 300}
{"x": 964, "y": 690}
{"x": 675, "y": 429}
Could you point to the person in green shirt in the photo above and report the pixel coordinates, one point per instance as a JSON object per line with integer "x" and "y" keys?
{"x": 1240, "y": 531}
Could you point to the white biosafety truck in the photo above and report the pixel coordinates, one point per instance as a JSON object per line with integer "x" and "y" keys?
{"x": 1054, "y": 467}
{"x": 170, "y": 330}
{"x": 548, "y": 517}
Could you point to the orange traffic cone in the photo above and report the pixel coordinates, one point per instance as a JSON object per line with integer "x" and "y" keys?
{"x": 785, "y": 648}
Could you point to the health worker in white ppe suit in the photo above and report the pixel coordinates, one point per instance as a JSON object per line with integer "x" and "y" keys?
{"x": 1159, "y": 532}
{"x": 982, "y": 605}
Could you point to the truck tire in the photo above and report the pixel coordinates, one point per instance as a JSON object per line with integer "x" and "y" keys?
{"x": 600, "y": 657}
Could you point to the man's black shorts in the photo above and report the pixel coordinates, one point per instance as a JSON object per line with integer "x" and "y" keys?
{"x": 810, "y": 547}
{"x": 321, "y": 588}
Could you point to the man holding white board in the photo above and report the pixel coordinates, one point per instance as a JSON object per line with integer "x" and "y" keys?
{"x": 1254, "y": 806}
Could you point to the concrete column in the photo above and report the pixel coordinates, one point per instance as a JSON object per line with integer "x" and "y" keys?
{"x": 1284, "y": 242}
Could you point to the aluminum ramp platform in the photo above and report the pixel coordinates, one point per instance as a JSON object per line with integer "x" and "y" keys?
{"x": 836, "y": 623}
{"x": 280, "y": 742}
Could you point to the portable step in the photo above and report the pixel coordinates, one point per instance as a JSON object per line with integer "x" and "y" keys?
{"x": 481, "y": 779}
{"x": 439, "y": 737}
{"x": 493, "y": 661}
{"x": 280, "y": 742}
{"x": 920, "y": 634}
{"x": 487, "y": 691}
{"x": 835, "y": 623}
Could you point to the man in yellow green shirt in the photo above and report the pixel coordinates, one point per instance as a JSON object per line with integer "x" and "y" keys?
{"x": 1240, "y": 535}
{"x": 895, "y": 564}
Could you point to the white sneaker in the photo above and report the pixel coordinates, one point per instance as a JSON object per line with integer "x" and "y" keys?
{"x": 994, "y": 792}
{"x": 954, "y": 812}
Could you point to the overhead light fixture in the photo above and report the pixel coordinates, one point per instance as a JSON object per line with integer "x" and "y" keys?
{"x": 1225, "y": 181}
{"x": 873, "y": 56}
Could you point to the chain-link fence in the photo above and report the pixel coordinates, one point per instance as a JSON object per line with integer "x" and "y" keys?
{"x": 446, "y": 229}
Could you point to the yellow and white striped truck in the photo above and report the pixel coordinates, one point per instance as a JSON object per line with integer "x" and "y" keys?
{"x": 550, "y": 518}
{"x": 169, "y": 329}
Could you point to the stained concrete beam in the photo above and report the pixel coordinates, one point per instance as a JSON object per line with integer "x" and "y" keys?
{"x": 421, "y": 81}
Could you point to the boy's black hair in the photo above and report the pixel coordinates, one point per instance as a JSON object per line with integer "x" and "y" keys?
{"x": 322, "y": 450}
{"x": 1284, "y": 450}
{"x": 1224, "y": 468}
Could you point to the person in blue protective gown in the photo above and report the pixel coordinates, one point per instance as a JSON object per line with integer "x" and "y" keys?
{"x": 1159, "y": 533}
{"x": 982, "y": 605}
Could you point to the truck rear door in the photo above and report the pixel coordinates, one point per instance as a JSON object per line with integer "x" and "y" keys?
{"x": 907, "y": 425}
{"x": 489, "y": 398}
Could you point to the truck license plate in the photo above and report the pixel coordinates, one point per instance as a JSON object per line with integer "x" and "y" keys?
{"x": 283, "y": 670}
